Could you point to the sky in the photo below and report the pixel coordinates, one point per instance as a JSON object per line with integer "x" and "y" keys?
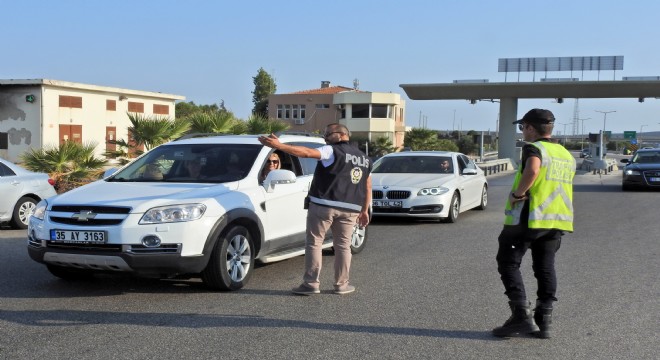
{"x": 209, "y": 51}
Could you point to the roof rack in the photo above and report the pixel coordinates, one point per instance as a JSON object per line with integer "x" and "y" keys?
{"x": 199, "y": 135}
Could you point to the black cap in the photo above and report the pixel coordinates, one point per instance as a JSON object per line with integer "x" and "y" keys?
{"x": 537, "y": 116}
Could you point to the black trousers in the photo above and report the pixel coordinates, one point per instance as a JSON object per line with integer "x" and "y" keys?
{"x": 513, "y": 244}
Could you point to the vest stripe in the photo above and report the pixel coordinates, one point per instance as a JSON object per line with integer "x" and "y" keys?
{"x": 332, "y": 203}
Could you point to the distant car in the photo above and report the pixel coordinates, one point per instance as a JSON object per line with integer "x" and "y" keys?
{"x": 585, "y": 153}
{"x": 20, "y": 191}
{"x": 642, "y": 170}
{"x": 412, "y": 184}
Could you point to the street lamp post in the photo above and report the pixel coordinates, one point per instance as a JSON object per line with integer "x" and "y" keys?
{"x": 602, "y": 133}
{"x": 582, "y": 140}
{"x": 639, "y": 138}
{"x": 564, "y": 133}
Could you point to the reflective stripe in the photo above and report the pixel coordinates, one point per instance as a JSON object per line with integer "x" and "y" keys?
{"x": 339, "y": 204}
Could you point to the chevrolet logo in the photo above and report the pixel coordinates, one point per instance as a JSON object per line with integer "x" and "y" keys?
{"x": 84, "y": 215}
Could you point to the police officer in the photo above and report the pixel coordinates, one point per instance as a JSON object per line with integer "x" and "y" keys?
{"x": 339, "y": 197}
{"x": 538, "y": 212}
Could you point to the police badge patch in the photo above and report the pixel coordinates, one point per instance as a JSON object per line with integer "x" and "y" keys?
{"x": 356, "y": 175}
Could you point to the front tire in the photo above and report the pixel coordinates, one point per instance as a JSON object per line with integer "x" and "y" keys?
{"x": 359, "y": 239}
{"x": 22, "y": 212}
{"x": 232, "y": 260}
{"x": 454, "y": 209}
{"x": 484, "y": 199}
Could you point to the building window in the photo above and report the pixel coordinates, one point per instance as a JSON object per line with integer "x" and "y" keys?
{"x": 161, "y": 109}
{"x": 295, "y": 111}
{"x": 280, "y": 110}
{"x": 302, "y": 111}
{"x": 71, "y": 101}
{"x": 287, "y": 111}
{"x": 360, "y": 111}
{"x": 111, "y": 105}
{"x": 323, "y": 106}
{"x": 135, "y": 107}
{"x": 379, "y": 111}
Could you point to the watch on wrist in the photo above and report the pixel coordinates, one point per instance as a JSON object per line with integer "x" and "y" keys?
{"x": 513, "y": 193}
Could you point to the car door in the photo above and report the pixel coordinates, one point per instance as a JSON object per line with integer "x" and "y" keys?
{"x": 11, "y": 189}
{"x": 470, "y": 184}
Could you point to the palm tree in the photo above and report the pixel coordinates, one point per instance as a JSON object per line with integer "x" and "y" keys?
{"x": 382, "y": 146}
{"x": 153, "y": 131}
{"x": 211, "y": 122}
{"x": 258, "y": 124}
{"x": 70, "y": 164}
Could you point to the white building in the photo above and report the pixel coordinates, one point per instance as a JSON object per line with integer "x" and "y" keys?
{"x": 35, "y": 113}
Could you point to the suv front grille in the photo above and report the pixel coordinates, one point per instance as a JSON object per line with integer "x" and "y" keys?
{"x": 76, "y": 215}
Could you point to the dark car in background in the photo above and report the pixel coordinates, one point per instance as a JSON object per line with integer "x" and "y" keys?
{"x": 585, "y": 153}
{"x": 642, "y": 171}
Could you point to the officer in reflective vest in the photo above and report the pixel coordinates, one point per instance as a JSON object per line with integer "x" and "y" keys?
{"x": 538, "y": 212}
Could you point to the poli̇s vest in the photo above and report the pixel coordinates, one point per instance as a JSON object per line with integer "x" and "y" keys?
{"x": 551, "y": 200}
{"x": 343, "y": 183}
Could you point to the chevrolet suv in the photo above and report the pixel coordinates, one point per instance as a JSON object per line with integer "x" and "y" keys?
{"x": 156, "y": 218}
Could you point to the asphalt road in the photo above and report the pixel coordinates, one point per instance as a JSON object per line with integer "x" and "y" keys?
{"x": 424, "y": 291}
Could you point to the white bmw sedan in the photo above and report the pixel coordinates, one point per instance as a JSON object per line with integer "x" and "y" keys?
{"x": 427, "y": 184}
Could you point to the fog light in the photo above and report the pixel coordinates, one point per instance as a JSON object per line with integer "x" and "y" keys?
{"x": 151, "y": 241}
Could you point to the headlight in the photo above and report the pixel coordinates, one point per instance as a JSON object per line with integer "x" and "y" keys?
{"x": 174, "y": 213}
{"x": 433, "y": 191}
{"x": 40, "y": 210}
{"x": 633, "y": 172}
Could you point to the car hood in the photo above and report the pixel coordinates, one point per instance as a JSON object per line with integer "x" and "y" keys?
{"x": 140, "y": 196}
{"x": 643, "y": 167}
{"x": 410, "y": 180}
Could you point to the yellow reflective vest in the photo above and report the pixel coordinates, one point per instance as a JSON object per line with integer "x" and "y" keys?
{"x": 551, "y": 195}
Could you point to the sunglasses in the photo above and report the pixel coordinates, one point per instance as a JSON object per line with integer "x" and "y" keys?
{"x": 273, "y": 161}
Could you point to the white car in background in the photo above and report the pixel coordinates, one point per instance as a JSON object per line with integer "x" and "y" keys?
{"x": 20, "y": 191}
{"x": 413, "y": 184}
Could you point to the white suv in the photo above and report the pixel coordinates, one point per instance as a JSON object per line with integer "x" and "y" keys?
{"x": 154, "y": 218}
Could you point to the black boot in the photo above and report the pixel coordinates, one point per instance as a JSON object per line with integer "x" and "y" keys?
{"x": 520, "y": 322}
{"x": 543, "y": 318}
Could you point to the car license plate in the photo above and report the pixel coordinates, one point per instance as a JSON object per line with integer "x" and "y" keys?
{"x": 386, "y": 203}
{"x": 82, "y": 236}
{"x": 654, "y": 179}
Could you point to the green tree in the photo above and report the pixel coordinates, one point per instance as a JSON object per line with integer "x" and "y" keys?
{"x": 467, "y": 146}
{"x": 257, "y": 124}
{"x": 70, "y": 164}
{"x": 152, "y": 131}
{"x": 381, "y": 147}
{"x": 264, "y": 85}
{"x": 211, "y": 122}
{"x": 186, "y": 109}
{"x": 447, "y": 145}
{"x": 421, "y": 139}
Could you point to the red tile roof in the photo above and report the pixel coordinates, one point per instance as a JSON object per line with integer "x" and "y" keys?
{"x": 326, "y": 90}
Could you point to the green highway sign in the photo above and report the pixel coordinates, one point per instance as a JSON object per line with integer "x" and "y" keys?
{"x": 630, "y": 134}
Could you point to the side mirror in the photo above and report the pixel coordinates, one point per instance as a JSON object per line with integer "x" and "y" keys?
{"x": 625, "y": 161}
{"x": 468, "y": 171}
{"x": 276, "y": 177}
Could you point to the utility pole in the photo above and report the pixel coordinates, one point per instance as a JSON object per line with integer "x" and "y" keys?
{"x": 602, "y": 132}
{"x": 582, "y": 135}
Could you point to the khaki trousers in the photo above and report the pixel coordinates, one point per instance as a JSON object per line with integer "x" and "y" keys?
{"x": 319, "y": 220}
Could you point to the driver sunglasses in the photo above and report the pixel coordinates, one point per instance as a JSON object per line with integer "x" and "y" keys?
{"x": 273, "y": 161}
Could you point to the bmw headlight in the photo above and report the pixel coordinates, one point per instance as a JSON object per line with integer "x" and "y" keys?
{"x": 173, "y": 213}
{"x": 632, "y": 172}
{"x": 40, "y": 210}
{"x": 432, "y": 191}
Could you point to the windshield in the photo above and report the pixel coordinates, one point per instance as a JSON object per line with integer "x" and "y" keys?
{"x": 413, "y": 164}
{"x": 216, "y": 163}
{"x": 646, "y": 157}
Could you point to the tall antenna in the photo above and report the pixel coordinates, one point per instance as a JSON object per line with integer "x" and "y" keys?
{"x": 576, "y": 117}
{"x": 356, "y": 84}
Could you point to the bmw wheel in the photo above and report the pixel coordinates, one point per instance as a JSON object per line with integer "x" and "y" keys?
{"x": 358, "y": 239}
{"x": 484, "y": 199}
{"x": 454, "y": 208}
{"x": 232, "y": 261}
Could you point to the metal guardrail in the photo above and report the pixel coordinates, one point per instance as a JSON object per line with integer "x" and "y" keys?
{"x": 597, "y": 166}
{"x": 495, "y": 166}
